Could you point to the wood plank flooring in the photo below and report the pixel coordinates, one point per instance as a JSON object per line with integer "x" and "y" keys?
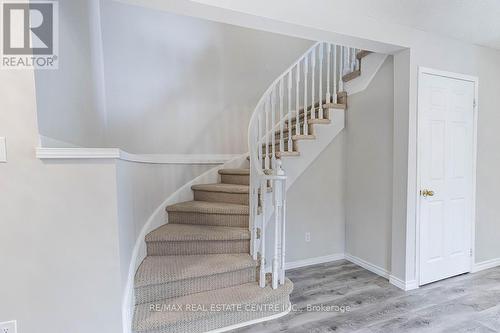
{"x": 466, "y": 303}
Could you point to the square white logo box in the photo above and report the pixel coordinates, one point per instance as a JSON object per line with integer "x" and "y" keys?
{"x": 29, "y": 36}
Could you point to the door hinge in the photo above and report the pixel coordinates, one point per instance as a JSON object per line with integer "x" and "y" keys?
{"x": 470, "y": 252}
{"x": 474, "y": 103}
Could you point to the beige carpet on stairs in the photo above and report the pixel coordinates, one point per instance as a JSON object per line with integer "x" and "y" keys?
{"x": 198, "y": 274}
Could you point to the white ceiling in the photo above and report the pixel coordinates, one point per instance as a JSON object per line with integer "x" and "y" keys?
{"x": 473, "y": 21}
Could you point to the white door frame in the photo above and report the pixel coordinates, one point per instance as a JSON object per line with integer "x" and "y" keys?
{"x": 422, "y": 71}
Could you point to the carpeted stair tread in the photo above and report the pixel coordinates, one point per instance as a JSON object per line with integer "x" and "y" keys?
{"x": 221, "y": 187}
{"x": 162, "y": 317}
{"x": 189, "y": 232}
{"x": 162, "y": 269}
{"x": 208, "y": 207}
{"x": 243, "y": 172}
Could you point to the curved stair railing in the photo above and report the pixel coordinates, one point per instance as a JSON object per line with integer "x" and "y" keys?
{"x": 298, "y": 96}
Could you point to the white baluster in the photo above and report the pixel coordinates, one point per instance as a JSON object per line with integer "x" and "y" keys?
{"x": 342, "y": 64}
{"x": 297, "y": 100}
{"x": 262, "y": 277}
{"x": 273, "y": 122}
{"x": 282, "y": 142}
{"x": 305, "y": 129}
{"x": 320, "y": 93}
{"x": 259, "y": 138}
{"x": 353, "y": 59}
{"x": 313, "y": 70}
{"x": 349, "y": 60}
{"x": 351, "y": 51}
{"x": 254, "y": 213}
{"x": 346, "y": 61}
{"x": 328, "y": 59}
{"x": 266, "y": 159}
{"x": 335, "y": 68}
{"x": 358, "y": 62}
{"x": 289, "y": 108}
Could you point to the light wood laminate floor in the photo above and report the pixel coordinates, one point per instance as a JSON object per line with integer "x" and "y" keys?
{"x": 466, "y": 303}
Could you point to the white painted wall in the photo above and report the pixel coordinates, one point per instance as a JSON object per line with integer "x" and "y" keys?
{"x": 67, "y": 98}
{"x": 176, "y": 84}
{"x": 59, "y": 238}
{"x": 369, "y": 144}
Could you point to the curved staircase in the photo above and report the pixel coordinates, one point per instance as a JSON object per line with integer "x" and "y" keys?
{"x": 206, "y": 269}
{"x": 201, "y": 260}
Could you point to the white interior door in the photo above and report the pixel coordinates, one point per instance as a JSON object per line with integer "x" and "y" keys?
{"x": 446, "y": 160}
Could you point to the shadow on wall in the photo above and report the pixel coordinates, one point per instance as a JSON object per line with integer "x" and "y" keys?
{"x": 195, "y": 83}
{"x": 173, "y": 84}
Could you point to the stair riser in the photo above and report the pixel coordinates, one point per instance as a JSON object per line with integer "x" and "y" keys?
{"x": 227, "y": 318}
{"x": 197, "y": 247}
{"x": 236, "y": 198}
{"x": 235, "y": 179}
{"x": 226, "y": 220}
{"x": 163, "y": 291}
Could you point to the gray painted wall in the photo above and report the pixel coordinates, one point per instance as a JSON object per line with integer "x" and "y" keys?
{"x": 315, "y": 204}
{"x": 67, "y": 103}
{"x": 369, "y": 141}
{"x": 149, "y": 81}
{"x": 176, "y": 84}
{"x": 488, "y": 159}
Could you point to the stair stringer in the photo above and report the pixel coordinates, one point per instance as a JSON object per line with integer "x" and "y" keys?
{"x": 370, "y": 65}
{"x": 311, "y": 149}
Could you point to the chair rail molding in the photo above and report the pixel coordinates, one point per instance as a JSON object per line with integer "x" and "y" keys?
{"x": 116, "y": 153}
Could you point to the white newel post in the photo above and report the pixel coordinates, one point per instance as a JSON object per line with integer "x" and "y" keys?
{"x": 262, "y": 275}
{"x": 282, "y": 197}
{"x": 278, "y": 197}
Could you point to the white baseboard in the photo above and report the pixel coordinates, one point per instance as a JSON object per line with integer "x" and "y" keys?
{"x": 369, "y": 266}
{"x": 314, "y": 261}
{"x": 485, "y": 265}
{"x": 404, "y": 285}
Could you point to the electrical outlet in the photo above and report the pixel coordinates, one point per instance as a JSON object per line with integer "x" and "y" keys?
{"x": 3, "y": 154}
{"x": 308, "y": 236}
{"x": 8, "y": 327}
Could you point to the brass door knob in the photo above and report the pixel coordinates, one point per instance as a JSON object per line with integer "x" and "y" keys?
{"x": 427, "y": 193}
